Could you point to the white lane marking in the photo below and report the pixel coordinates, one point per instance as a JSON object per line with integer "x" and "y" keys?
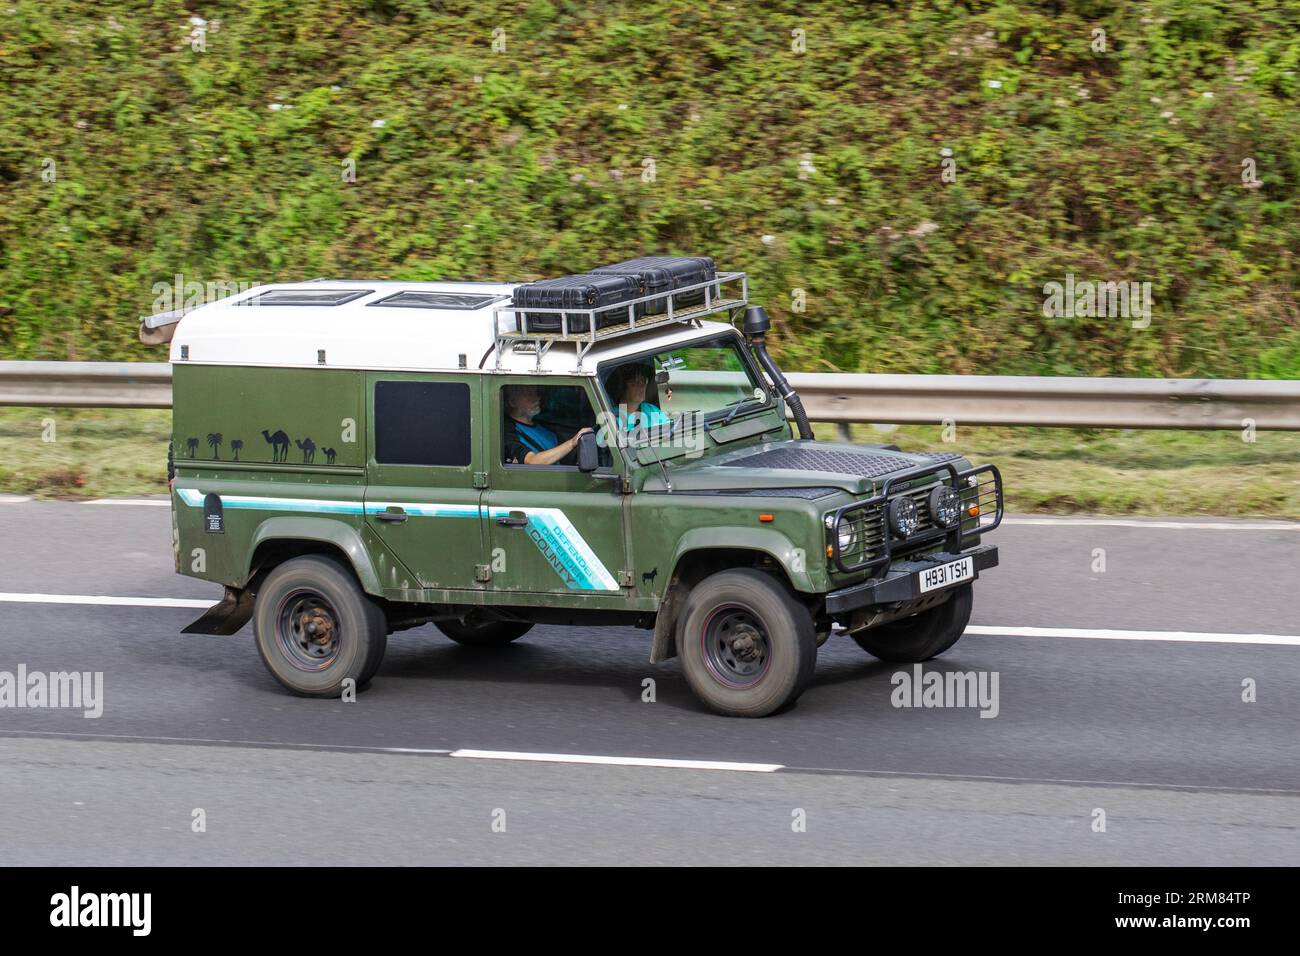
{"x": 102, "y": 600}
{"x": 1104, "y": 634}
{"x": 145, "y": 502}
{"x": 619, "y": 761}
{"x": 272, "y": 744}
{"x": 14, "y": 499}
{"x": 1153, "y": 523}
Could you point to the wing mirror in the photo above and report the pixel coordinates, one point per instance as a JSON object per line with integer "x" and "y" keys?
{"x": 588, "y": 453}
{"x": 661, "y": 377}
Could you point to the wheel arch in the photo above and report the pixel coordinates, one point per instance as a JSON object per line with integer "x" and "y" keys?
{"x": 705, "y": 551}
{"x": 279, "y": 539}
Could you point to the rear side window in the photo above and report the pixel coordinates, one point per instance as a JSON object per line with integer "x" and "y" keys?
{"x": 422, "y": 423}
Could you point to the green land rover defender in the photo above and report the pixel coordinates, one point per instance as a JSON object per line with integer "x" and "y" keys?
{"x": 354, "y": 458}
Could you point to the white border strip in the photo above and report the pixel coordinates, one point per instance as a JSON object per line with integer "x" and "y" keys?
{"x": 1103, "y": 634}
{"x": 619, "y": 761}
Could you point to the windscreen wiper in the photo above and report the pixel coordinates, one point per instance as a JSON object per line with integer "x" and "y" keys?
{"x": 739, "y": 403}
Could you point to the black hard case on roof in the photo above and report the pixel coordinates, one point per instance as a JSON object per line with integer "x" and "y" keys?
{"x": 583, "y": 291}
{"x": 665, "y": 273}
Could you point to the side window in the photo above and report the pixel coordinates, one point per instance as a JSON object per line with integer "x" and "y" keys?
{"x": 541, "y": 419}
{"x": 422, "y": 423}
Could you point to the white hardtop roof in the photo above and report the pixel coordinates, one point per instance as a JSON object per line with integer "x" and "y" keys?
{"x": 359, "y": 334}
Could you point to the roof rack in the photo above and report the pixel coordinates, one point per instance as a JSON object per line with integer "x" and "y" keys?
{"x": 520, "y": 339}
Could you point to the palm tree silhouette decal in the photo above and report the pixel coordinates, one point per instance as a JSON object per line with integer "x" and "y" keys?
{"x": 236, "y": 445}
{"x": 214, "y": 442}
{"x": 192, "y": 446}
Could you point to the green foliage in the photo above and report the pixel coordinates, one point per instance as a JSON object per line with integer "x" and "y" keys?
{"x": 226, "y": 165}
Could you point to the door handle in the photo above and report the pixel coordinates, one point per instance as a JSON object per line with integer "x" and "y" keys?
{"x": 515, "y": 519}
{"x": 398, "y": 515}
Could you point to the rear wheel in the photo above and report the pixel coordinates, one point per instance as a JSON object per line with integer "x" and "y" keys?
{"x": 921, "y": 636}
{"x": 315, "y": 628}
{"x": 487, "y": 634}
{"x": 747, "y": 647}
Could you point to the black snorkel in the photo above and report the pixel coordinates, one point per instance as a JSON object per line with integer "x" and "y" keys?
{"x": 756, "y": 325}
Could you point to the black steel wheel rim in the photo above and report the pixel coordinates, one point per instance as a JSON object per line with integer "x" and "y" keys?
{"x": 737, "y": 650}
{"x": 307, "y": 630}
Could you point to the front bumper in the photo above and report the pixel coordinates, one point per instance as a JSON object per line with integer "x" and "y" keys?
{"x": 902, "y": 582}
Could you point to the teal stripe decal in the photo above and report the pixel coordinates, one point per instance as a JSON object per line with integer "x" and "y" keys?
{"x": 550, "y": 529}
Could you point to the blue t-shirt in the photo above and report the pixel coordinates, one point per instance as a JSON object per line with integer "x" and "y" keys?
{"x": 520, "y": 439}
{"x": 647, "y": 415}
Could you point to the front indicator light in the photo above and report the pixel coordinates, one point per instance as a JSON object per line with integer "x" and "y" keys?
{"x": 973, "y": 511}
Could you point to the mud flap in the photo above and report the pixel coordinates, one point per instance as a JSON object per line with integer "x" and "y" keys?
{"x": 226, "y": 616}
{"x": 664, "y": 645}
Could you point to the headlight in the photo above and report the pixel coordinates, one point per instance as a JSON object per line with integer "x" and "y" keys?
{"x": 903, "y": 517}
{"x": 846, "y": 534}
{"x": 945, "y": 506}
{"x": 846, "y": 537}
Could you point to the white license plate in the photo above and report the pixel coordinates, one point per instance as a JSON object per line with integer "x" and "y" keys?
{"x": 946, "y": 575}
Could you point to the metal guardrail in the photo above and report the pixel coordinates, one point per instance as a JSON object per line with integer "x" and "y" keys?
{"x": 828, "y": 397}
{"x": 1192, "y": 403}
{"x": 87, "y": 384}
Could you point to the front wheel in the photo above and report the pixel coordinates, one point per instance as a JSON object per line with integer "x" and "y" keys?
{"x": 488, "y": 634}
{"x": 921, "y": 636}
{"x": 315, "y": 628}
{"x": 747, "y": 647}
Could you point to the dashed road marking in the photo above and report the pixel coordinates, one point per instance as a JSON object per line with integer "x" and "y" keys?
{"x": 1158, "y": 523}
{"x": 619, "y": 761}
{"x": 1106, "y": 634}
{"x": 102, "y": 600}
{"x": 1086, "y": 633}
{"x": 142, "y": 502}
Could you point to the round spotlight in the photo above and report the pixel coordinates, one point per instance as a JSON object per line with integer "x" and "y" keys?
{"x": 903, "y": 516}
{"x": 945, "y": 506}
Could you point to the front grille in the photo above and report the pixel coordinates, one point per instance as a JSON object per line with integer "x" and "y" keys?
{"x": 871, "y": 547}
{"x": 869, "y": 527}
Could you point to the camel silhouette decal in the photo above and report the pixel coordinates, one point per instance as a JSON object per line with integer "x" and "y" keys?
{"x": 214, "y": 442}
{"x": 308, "y": 450}
{"x": 279, "y": 444}
{"x": 330, "y": 455}
{"x": 192, "y": 446}
{"x": 236, "y": 445}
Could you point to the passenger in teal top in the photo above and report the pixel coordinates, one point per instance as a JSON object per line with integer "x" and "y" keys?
{"x": 627, "y": 387}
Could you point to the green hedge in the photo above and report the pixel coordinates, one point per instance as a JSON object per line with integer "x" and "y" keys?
{"x": 817, "y": 170}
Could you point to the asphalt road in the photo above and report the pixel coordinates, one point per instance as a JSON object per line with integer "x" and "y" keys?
{"x": 1152, "y": 732}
